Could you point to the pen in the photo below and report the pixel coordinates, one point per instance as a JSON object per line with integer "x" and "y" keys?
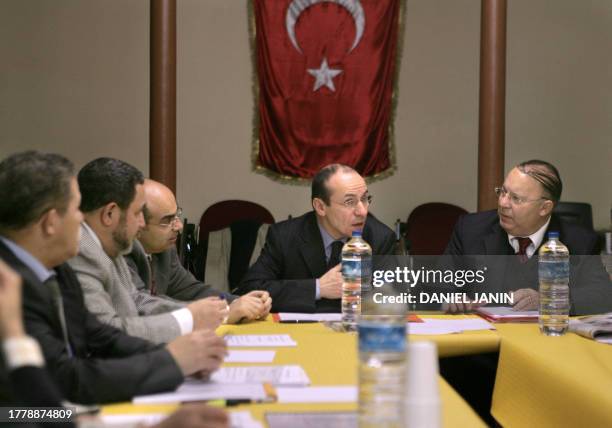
{"x": 297, "y": 321}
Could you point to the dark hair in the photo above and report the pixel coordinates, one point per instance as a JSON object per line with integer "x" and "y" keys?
{"x": 319, "y": 181}
{"x": 546, "y": 174}
{"x": 106, "y": 180}
{"x": 32, "y": 183}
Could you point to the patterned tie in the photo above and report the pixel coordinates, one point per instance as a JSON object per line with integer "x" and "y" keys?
{"x": 59, "y": 307}
{"x": 152, "y": 285}
{"x": 334, "y": 258}
{"x": 522, "y": 252}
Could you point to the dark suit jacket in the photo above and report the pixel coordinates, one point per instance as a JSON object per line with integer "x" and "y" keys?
{"x": 481, "y": 234}
{"x": 293, "y": 257}
{"x": 171, "y": 278}
{"x": 108, "y": 365}
{"x": 32, "y": 387}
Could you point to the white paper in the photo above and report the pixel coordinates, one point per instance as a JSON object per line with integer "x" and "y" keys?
{"x": 276, "y": 375}
{"x": 293, "y": 316}
{"x": 506, "y": 312}
{"x": 197, "y": 391}
{"x": 448, "y": 326}
{"x": 259, "y": 340}
{"x": 234, "y": 356}
{"x": 133, "y": 418}
{"x": 317, "y": 394}
{"x": 242, "y": 419}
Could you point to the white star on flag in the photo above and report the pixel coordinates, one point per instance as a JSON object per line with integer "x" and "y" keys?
{"x": 324, "y": 76}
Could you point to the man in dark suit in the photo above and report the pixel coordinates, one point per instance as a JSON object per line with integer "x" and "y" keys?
{"x": 520, "y": 226}
{"x": 89, "y": 361}
{"x": 26, "y": 368}
{"x": 155, "y": 266}
{"x": 300, "y": 263}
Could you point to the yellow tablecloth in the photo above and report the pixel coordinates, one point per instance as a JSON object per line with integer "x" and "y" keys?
{"x": 552, "y": 381}
{"x": 329, "y": 358}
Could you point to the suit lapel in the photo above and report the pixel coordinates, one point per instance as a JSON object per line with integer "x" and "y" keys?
{"x": 311, "y": 246}
{"x": 36, "y": 291}
{"x": 497, "y": 250}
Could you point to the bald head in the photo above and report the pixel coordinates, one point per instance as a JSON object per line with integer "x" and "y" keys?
{"x": 161, "y": 211}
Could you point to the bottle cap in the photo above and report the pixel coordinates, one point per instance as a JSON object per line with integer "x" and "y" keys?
{"x": 553, "y": 235}
{"x": 357, "y": 233}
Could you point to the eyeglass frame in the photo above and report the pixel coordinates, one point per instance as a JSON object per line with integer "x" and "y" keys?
{"x": 174, "y": 220}
{"x": 514, "y": 199}
{"x": 352, "y": 203}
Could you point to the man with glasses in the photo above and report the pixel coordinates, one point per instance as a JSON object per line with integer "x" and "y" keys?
{"x": 112, "y": 203}
{"x": 155, "y": 266}
{"x": 519, "y": 225}
{"x": 300, "y": 263}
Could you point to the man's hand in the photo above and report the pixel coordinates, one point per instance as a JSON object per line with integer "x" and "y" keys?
{"x": 459, "y": 308}
{"x": 208, "y": 313}
{"x": 251, "y": 306}
{"x": 526, "y": 299}
{"x": 330, "y": 284}
{"x": 196, "y": 416}
{"x": 199, "y": 351}
{"x": 11, "y": 323}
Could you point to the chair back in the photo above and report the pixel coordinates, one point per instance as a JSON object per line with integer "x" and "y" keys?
{"x": 429, "y": 227}
{"x": 575, "y": 212}
{"x": 222, "y": 214}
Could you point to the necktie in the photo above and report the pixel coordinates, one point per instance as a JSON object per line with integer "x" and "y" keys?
{"x": 152, "y": 285}
{"x": 59, "y": 307}
{"x": 522, "y": 252}
{"x": 334, "y": 258}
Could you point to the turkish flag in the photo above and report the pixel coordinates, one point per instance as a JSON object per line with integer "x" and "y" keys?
{"x": 326, "y": 71}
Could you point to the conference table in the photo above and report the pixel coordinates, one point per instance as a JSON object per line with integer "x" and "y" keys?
{"x": 551, "y": 381}
{"x": 541, "y": 381}
{"x": 329, "y": 358}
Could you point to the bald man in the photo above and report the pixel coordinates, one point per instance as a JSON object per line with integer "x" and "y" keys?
{"x": 154, "y": 262}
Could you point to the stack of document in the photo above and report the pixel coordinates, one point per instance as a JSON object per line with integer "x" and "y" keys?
{"x": 448, "y": 326}
{"x": 506, "y": 314}
{"x": 242, "y": 419}
{"x": 259, "y": 340}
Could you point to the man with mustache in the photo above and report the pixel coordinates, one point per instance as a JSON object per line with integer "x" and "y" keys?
{"x": 300, "y": 263}
{"x": 155, "y": 265}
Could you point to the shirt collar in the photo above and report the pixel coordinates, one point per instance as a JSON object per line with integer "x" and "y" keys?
{"x": 536, "y": 238}
{"x": 41, "y": 272}
{"x": 327, "y": 238}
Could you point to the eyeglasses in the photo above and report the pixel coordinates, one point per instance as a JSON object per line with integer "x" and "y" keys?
{"x": 351, "y": 203}
{"x": 514, "y": 199}
{"x": 171, "y": 221}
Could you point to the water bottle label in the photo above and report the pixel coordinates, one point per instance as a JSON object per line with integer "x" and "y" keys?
{"x": 553, "y": 269}
{"x": 382, "y": 337}
{"x": 355, "y": 268}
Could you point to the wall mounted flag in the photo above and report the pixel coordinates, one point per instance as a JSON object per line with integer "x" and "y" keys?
{"x": 325, "y": 85}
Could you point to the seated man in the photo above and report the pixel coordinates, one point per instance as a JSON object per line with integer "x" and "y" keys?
{"x": 91, "y": 362}
{"x": 155, "y": 264}
{"x": 519, "y": 226}
{"x": 300, "y": 263}
{"x": 26, "y": 368}
{"x": 112, "y": 202}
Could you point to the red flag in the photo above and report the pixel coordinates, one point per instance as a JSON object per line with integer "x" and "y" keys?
{"x": 326, "y": 71}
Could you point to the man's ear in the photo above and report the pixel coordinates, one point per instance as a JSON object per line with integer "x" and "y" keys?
{"x": 547, "y": 208}
{"x": 49, "y": 222}
{"x": 110, "y": 214}
{"x": 319, "y": 206}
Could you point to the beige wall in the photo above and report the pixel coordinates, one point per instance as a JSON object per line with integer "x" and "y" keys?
{"x": 74, "y": 79}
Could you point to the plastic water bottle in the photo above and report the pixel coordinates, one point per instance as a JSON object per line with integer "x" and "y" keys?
{"x": 382, "y": 362}
{"x": 553, "y": 272}
{"x": 356, "y": 273}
